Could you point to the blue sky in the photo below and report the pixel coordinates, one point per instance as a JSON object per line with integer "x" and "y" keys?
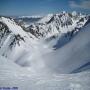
{"x": 42, "y": 7}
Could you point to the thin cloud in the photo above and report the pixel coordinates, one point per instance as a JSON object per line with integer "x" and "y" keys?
{"x": 85, "y": 4}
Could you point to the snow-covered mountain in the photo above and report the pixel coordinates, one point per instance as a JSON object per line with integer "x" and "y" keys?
{"x": 52, "y": 53}
{"x": 54, "y": 24}
{"x": 13, "y": 39}
{"x": 23, "y": 44}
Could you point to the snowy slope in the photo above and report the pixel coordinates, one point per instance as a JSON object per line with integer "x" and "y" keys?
{"x": 14, "y": 40}
{"x": 71, "y": 56}
{"x": 12, "y": 75}
{"x": 68, "y": 58}
{"x": 45, "y": 18}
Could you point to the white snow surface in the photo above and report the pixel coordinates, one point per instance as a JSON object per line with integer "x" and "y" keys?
{"x": 12, "y": 75}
